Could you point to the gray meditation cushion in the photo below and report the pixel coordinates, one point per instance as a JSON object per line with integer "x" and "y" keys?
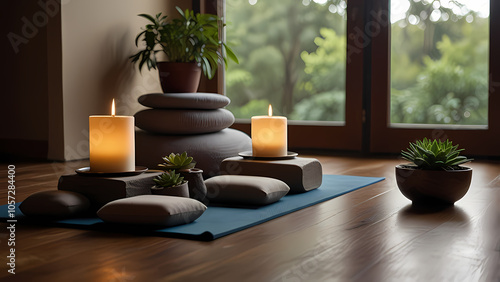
{"x": 208, "y": 150}
{"x": 153, "y": 210}
{"x": 183, "y": 121}
{"x": 247, "y": 190}
{"x": 206, "y": 101}
{"x": 55, "y": 203}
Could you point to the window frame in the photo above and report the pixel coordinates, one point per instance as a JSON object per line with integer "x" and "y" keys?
{"x": 321, "y": 135}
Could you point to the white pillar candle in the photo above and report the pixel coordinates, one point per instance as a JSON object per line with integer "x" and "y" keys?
{"x": 112, "y": 143}
{"x": 269, "y": 135}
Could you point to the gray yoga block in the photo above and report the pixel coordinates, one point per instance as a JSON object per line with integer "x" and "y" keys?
{"x": 102, "y": 190}
{"x": 301, "y": 174}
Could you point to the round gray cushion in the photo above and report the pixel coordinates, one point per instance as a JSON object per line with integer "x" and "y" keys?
{"x": 55, "y": 203}
{"x": 206, "y": 101}
{"x": 208, "y": 150}
{"x": 183, "y": 121}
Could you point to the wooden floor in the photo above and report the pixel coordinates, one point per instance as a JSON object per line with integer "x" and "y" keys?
{"x": 372, "y": 234}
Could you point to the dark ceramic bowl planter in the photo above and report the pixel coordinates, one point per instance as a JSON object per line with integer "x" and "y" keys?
{"x": 181, "y": 190}
{"x": 433, "y": 186}
{"x": 179, "y": 77}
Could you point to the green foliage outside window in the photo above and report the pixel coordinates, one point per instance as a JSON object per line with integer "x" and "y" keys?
{"x": 293, "y": 55}
{"x": 442, "y": 80}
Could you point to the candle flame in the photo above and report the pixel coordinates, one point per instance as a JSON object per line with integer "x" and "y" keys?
{"x": 270, "y": 110}
{"x": 113, "y": 108}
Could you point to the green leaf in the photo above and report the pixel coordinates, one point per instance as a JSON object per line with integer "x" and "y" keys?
{"x": 148, "y": 17}
{"x": 207, "y": 68}
{"x": 180, "y": 11}
{"x": 231, "y": 54}
{"x": 177, "y": 159}
{"x": 434, "y": 147}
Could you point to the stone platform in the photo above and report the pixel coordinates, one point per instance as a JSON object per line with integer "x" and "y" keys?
{"x": 301, "y": 174}
{"x": 102, "y": 190}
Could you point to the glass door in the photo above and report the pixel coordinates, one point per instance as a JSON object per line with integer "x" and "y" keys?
{"x": 293, "y": 55}
{"x": 432, "y": 74}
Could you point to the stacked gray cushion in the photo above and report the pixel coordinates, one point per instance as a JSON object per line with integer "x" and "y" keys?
{"x": 184, "y": 113}
{"x": 204, "y": 101}
{"x": 183, "y": 121}
{"x": 191, "y": 122}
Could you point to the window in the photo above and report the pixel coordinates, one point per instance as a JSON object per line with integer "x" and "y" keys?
{"x": 380, "y": 115}
{"x": 453, "y": 77}
{"x": 292, "y": 56}
{"x": 439, "y": 62}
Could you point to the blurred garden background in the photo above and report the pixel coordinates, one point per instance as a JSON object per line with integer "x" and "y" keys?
{"x": 293, "y": 55}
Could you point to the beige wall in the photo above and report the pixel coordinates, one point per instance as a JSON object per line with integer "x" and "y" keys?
{"x": 71, "y": 67}
{"x": 97, "y": 39}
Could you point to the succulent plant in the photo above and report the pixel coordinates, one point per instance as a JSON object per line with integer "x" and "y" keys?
{"x": 168, "y": 179}
{"x": 178, "y": 161}
{"x": 434, "y": 155}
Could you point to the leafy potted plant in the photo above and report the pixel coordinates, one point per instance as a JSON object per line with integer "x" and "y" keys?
{"x": 170, "y": 184}
{"x": 186, "y": 167}
{"x": 435, "y": 175}
{"x": 191, "y": 44}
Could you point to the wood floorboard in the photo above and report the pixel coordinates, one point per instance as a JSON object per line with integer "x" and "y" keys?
{"x": 371, "y": 234}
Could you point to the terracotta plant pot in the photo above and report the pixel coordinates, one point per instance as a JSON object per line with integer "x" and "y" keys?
{"x": 178, "y": 191}
{"x": 197, "y": 188}
{"x": 179, "y": 77}
{"x": 433, "y": 186}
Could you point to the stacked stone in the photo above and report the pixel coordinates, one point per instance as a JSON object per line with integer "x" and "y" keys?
{"x": 192, "y": 122}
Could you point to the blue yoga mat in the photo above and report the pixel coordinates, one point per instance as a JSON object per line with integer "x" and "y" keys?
{"x": 220, "y": 221}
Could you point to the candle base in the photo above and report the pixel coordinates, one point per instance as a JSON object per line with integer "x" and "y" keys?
{"x": 249, "y": 155}
{"x": 87, "y": 172}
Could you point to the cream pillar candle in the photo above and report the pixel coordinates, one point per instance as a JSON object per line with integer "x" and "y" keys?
{"x": 269, "y": 135}
{"x": 112, "y": 143}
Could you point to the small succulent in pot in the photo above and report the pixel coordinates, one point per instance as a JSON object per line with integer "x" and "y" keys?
{"x": 434, "y": 155}
{"x": 185, "y": 166}
{"x": 177, "y": 161}
{"x": 171, "y": 184}
{"x": 435, "y": 175}
{"x": 168, "y": 179}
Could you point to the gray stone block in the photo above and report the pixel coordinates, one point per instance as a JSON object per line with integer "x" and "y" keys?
{"x": 301, "y": 174}
{"x": 102, "y": 190}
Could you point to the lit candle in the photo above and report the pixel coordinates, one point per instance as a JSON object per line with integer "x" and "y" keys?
{"x": 269, "y": 135}
{"x": 112, "y": 144}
